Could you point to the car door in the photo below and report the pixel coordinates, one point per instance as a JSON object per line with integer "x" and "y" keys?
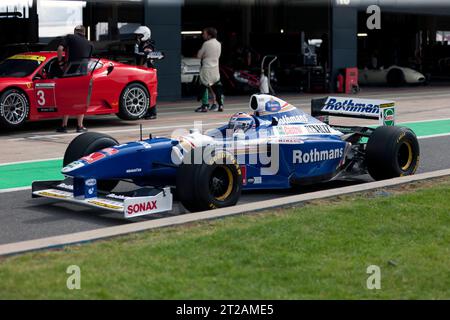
{"x": 65, "y": 95}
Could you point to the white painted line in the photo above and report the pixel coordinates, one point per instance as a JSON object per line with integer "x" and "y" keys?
{"x": 15, "y": 189}
{"x": 80, "y": 237}
{"x": 29, "y": 161}
{"x": 428, "y": 120}
{"x": 434, "y": 136}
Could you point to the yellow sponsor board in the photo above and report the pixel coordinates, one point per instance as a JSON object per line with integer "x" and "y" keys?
{"x": 28, "y": 57}
{"x": 105, "y": 205}
{"x": 53, "y": 195}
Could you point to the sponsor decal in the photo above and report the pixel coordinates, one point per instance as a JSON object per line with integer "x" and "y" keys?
{"x": 53, "y": 194}
{"x": 318, "y": 128}
{"x": 351, "y": 106}
{"x": 292, "y": 119}
{"x": 142, "y": 207}
{"x": 121, "y": 146}
{"x": 72, "y": 166}
{"x": 110, "y": 151}
{"x": 90, "y": 182}
{"x": 116, "y": 196}
{"x": 39, "y": 59}
{"x": 47, "y": 110}
{"x": 258, "y": 180}
{"x": 65, "y": 186}
{"x": 273, "y": 106}
{"x": 135, "y": 170}
{"x": 287, "y": 140}
{"x": 244, "y": 175}
{"x": 29, "y": 85}
{"x": 389, "y": 117}
{"x": 315, "y": 155}
{"x": 293, "y": 130}
{"x": 93, "y": 157}
{"x": 105, "y": 204}
{"x": 146, "y": 145}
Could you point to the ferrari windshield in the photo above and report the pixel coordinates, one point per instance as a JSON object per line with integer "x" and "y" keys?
{"x": 18, "y": 68}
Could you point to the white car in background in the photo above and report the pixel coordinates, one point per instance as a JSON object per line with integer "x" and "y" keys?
{"x": 393, "y": 75}
{"x": 190, "y": 69}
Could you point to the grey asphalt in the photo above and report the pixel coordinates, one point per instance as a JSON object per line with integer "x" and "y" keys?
{"x": 23, "y": 218}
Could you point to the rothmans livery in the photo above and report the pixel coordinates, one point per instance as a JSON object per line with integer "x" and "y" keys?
{"x": 273, "y": 146}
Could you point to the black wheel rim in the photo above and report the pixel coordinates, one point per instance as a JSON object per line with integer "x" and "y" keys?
{"x": 221, "y": 183}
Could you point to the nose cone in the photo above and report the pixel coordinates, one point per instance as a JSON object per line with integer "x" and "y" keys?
{"x": 121, "y": 162}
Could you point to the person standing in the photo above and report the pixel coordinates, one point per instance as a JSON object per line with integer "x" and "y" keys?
{"x": 78, "y": 51}
{"x": 209, "y": 72}
{"x": 143, "y": 46}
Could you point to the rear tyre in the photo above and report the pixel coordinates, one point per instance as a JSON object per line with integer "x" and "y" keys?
{"x": 14, "y": 108}
{"x": 86, "y": 144}
{"x": 210, "y": 185}
{"x": 134, "y": 102}
{"x": 392, "y": 152}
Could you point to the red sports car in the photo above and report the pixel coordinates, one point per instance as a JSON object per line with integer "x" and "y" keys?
{"x": 32, "y": 89}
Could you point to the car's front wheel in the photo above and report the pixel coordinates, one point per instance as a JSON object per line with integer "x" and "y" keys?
{"x": 14, "y": 108}
{"x": 84, "y": 145}
{"x": 209, "y": 185}
{"x": 134, "y": 102}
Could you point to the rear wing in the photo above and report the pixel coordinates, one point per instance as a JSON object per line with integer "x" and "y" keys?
{"x": 381, "y": 110}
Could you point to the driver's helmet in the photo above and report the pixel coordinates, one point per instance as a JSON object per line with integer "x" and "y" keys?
{"x": 144, "y": 31}
{"x": 241, "y": 121}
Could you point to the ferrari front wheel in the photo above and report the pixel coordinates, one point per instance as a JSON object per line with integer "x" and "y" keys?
{"x": 14, "y": 108}
{"x": 134, "y": 102}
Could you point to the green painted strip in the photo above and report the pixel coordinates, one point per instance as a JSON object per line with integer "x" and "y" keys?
{"x": 429, "y": 128}
{"x": 22, "y": 175}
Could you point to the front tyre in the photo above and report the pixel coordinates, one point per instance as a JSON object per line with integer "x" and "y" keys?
{"x": 210, "y": 185}
{"x": 84, "y": 145}
{"x": 392, "y": 152}
{"x": 134, "y": 102}
{"x": 14, "y": 108}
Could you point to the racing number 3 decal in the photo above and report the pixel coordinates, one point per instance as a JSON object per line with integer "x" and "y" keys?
{"x": 45, "y": 97}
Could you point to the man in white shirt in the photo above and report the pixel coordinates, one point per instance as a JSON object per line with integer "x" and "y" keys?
{"x": 209, "y": 72}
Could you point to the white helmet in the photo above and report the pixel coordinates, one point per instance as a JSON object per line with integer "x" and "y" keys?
{"x": 145, "y": 31}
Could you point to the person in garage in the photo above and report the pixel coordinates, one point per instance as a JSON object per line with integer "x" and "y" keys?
{"x": 143, "y": 46}
{"x": 209, "y": 72}
{"x": 74, "y": 53}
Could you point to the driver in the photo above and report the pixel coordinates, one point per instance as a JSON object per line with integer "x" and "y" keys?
{"x": 144, "y": 45}
{"x": 241, "y": 121}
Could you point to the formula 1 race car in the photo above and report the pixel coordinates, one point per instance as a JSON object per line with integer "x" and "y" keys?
{"x": 32, "y": 87}
{"x": 277, "y": 146}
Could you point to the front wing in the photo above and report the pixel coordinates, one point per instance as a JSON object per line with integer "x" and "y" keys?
{"x": 144, "y": 201}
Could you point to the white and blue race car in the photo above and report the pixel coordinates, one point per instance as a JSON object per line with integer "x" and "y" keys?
{"x": 275, "y": 146}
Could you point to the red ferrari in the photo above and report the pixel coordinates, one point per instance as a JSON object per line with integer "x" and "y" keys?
{"x": 31, "y": 89}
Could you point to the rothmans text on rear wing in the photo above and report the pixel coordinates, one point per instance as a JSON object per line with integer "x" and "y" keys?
{"x": 381, "y": 110}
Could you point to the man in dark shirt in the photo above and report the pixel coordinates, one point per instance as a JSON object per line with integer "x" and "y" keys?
{"x": 78, "y": 51}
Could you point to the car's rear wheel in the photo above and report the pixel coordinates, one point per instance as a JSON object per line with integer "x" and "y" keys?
{"x": 210, "y": 185}
{"x": 134, "y": 102}
{"x": 14, "y": 108}
{"x": 84, "y": 145}
{"x": 392, "y": 152}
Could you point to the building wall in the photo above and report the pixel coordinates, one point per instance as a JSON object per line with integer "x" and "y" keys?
{"x": 344, "y": 49}
{"x": 165, "y": 23}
